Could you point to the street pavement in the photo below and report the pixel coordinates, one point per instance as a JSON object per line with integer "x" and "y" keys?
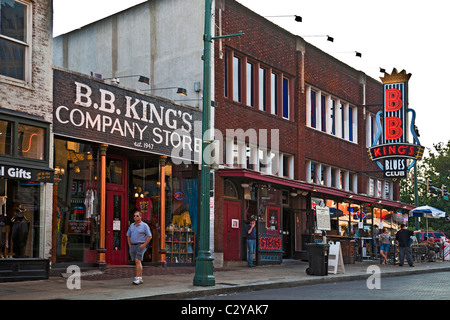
{"x": 168, "y": 283}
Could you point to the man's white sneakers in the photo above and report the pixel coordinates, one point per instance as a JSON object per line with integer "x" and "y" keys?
{"x": 138, "y": 280}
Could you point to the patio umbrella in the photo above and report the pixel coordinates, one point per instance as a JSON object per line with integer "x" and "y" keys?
{"x": 427, "y": 212}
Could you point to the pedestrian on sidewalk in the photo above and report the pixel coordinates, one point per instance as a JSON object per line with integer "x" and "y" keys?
{"x": 404, "y": 247}
{"x": 251, "y": 241}
{"x": 385, "y": 242}
{"x": 138, "y": 236}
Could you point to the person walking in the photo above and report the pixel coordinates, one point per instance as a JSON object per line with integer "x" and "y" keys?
{"x": 138, "y": 236}
{"x": 403, "y": 241}
{"x": 251, "y": 241}
{"x": 385, "y": 242}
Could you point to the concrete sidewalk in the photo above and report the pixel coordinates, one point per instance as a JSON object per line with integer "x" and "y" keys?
{"x": 115, "y": 283}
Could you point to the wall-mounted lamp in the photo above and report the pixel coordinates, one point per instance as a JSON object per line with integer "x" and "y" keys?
{"x": 141, "y": 79}
{"x": 304, "y": 193}
{"x": 245, "y": 185}
{"x": 59, "y": 171}
{"x": 329, "y": 38}
{"x": 180, "y": 91}
{"x": 293, "y": 194}
{"x": 357, "y": 54}
{"x": 296, "y": 18}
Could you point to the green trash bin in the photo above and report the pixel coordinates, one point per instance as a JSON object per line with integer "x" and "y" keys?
{"x": 318, "y": 259}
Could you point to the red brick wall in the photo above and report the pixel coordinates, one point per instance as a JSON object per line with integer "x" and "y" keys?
{"x": 272, "y": 46}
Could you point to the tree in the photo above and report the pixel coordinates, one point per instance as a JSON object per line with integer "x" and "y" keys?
{"x": 434, "y": 166}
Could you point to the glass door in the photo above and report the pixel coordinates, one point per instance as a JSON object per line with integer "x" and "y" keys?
{"x": 116, "y": 244}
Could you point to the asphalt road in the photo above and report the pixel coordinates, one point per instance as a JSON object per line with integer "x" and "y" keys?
{"x": 429, "y": 286}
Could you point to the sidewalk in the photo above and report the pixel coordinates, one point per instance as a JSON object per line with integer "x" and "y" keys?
{"x": 115, "y": 283}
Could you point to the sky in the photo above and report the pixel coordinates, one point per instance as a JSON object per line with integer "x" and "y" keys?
{"x": 401, "y": 34}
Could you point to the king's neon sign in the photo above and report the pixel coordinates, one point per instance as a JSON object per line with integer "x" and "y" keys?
{"x": 392, "y": 149}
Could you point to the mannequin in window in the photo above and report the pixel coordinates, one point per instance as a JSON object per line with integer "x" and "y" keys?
{"x": 19, "y": 232}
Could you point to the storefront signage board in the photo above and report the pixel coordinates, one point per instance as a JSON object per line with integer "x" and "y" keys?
{"x": 18, "y": 172}
{"x": 391, "y": 150}
{"x": 90, "y": 109}
{"x": 323, "y": 218}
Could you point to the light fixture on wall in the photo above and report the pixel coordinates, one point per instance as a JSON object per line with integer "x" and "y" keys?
{"x": 296, "y": 18}
{"x": 180, "y": 91}
{"x": 357, "y": 53}
{"x": 141, "y": 79}
{"x": 59, "y": 171}
{"x": 329, "y": 38}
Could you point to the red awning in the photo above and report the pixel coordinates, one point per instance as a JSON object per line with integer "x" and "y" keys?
{"x": 318, "y": 189}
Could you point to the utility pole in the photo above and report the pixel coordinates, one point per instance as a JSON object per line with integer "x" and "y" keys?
{"x": 416, "y": 194}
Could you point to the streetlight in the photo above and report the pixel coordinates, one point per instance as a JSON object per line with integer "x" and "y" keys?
{"x": 204, "y": 262}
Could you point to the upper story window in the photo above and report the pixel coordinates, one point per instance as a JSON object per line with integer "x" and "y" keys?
{"x": 237, "y": 79}
{"x": 262, "y": 89}
{"x": 253, "y": 84}
{"x": 15, "y": 39}
{"x": 331, "y": 115}
{"x": 372, "y": 130}
{"x": 250, "y": 87}
{"x": 286, "y": 98}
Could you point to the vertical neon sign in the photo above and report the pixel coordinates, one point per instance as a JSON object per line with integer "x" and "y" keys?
{"x": 392, "y": 150}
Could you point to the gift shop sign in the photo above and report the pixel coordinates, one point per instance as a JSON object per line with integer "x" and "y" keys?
{"x": 391, "y": 150}
{"x": 95, "y": 111}
{"x": 10, "y": 171}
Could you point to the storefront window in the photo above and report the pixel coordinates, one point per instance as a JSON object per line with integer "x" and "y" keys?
{"x": 21, "y": 215}
{"x": 6, "y": 128}
{"x": 78, "y": 197}
{"x": 181, "y": 197}
{"x": 23, "y": 138}
{"x": 31, "y": 142}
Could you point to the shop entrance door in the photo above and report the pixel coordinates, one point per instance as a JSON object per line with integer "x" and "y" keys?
{"x": 116, "y": 210}
{"x": 287, "y": 232}
{"x": 232, "y": 231}
{"x": 116, "y": 228}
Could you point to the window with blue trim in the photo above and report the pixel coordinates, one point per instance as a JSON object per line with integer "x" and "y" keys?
{"x": 313, "y": 109}
{"x": 286, "y": 102}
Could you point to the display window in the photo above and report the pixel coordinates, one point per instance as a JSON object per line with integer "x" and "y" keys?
{"x": 78, "y": 194}
{"x": 181, "y": 206}
{"x": 23, "y": 139}
{"x": 21, "y": 217}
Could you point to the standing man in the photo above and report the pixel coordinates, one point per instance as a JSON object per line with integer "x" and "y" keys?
{"x": 403, "y": 241}
{"x": 251, "y": 241}
{"x": 138, "y": 235}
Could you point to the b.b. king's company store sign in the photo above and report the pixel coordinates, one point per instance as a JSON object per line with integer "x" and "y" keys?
{"x": 94, "y": 111}
{"x": 391, "y": 150}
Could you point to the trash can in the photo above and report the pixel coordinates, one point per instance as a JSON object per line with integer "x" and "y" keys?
{"x": 318, "y": 259}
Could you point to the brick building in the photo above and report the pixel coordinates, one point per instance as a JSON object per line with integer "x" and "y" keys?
{"x": 271, "y": 79}
{"x": 26, "y": 144}
{"x": 295, "y": 122}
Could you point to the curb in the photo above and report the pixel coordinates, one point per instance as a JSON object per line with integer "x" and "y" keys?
{"x": 235, "y": 288}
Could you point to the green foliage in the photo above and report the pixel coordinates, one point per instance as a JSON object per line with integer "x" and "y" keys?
{"x": 435, "y": 166}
